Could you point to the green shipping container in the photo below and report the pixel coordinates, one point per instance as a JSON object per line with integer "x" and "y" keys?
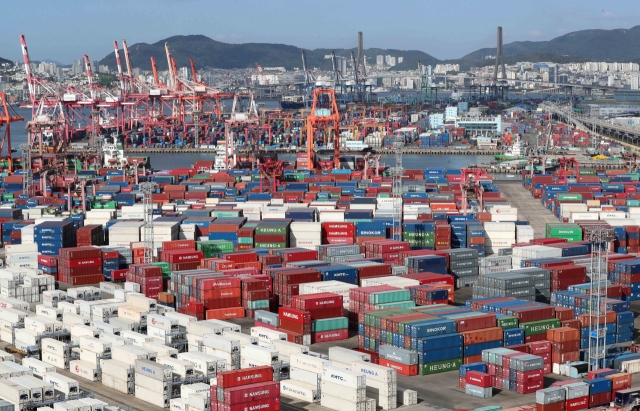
{"x": 416, "y": 235}
{"x": 226, "y": 214}
{"x": 245, "y": 240}
{"x": 258, "y": 304}
{"x": 272, "y": 229}
{"x": 214, "y": 247}
{"x": 587, "y": 172}
{"x": 569, "y": 197}
{"x": 402, "y": 327}
{"x": 539, "y": 327}
{"x": 373, "y": 318}
{"x": 270, "y": 245}
{"x": 426, "y": 242}
{"x": 389, "y": 296}
{"x": 165, "y": 267}
{"x": 399, "y": 304}
{"x": 439, "y": 366}
{"x": 329, "y": 324}
{"x": 507, "y": 322}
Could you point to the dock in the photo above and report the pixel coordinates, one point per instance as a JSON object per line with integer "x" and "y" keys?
{"x": 529, "y": 208}
{"x": 406, "y": 150}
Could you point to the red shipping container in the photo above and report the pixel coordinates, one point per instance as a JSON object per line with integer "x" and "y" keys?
{"x": 485, "y": 335}
{"x": 599, "y": 399}
{"x": 236, "y": 378}
{"x": 479, "y": 379}
{"x": 295, "y": 315}
{"x": 73, "y": 253}
{"x": 528, "y": 388}
{"x": 329, "y": 312}
{"x": 476, "y": 323}
{"x": 534, "y": 314}
{"x": 331, "y": 335}
{"x": 402, "y": 369}
{"x": 271, "y": 404}
{"x": 248, "y": 393}
{"x": 556, "y": 406}
{"x": 48, "y": 260}
{"x": 524, "y": 377}
{"x": 576, "y": 404}
{"x": 563, "y": 334}
{"x": 567, "y": 346}
{"x": 319, "y": 300}
{"x": 224, "y": 313}
{"x": 182, "y": 256}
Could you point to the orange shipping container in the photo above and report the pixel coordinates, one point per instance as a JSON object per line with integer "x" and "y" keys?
{"x": 621, "y": 381}
{"x": 563, "y": 334}
{"x": 483, "y": 335}
{"x": 587, "y": 320}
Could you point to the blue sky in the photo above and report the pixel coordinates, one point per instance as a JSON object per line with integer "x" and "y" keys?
{"x": 64, "y": 30}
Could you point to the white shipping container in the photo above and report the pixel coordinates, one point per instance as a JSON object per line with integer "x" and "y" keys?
{"x": 135, "y": 337}
{"x": 182, "y": 319}
{"x": 199, "y": 388}
{"x": 204, "y": 363}
{"x": 54, "y": 346}
{"x": 84, "y": 370}
{"x": 299, "y": 390}
{"x": 347, "y": 356}
{"x": 157, "y": 386}
{"x": 406, "y": 396}
{"x": 308, "y": 363}
{"x": 159, "y": 400}
{"x": 384, "y": 389}
{"x": 374, "y": 372}
{"x": 345, "y": 378}
{"x": 286, "y": 348}
{"x": 117, "y": 369}
{"x": 140, "y": 301}
{"x": 266, "y": 335}
{"x": 183, "y": 368}
{"x": 106, "y": 328}
{"x": 178, "y": 404}
{"x": 242, "y": 338}
{"x": 135, "y": 314}
{"x": 497, "y": 227}
{"x": 96, "y": 405}
{"x": 52, "y": 313}
{"x": 160, "y": 321}
{"x": 95, "y": 345}
{"x": 161, "y": 349}
{"x": 55, "y": 360}
{"x": 222, "y": 342}
{"x": 339, "y": 391}
{"x": 38, "y": 367}
{"x": 251, "y": 363}
{"x": 129, "y": 353}
{"x": 114, "y": 340}
{"x": 338, "y": 404}
{"x": 261, "y": 354}
{"x": 304, "y": 376}
{"x": 118, "y": 385}
{"x": 61, "y": 383}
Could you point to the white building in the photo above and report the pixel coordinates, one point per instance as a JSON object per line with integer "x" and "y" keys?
{"x": 436, "y": 120}
{"x": 634, "y": 82}
{"x": 451, "y": 112}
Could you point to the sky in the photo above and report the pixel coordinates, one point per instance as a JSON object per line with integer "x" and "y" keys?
{"x": 65, "y": 30}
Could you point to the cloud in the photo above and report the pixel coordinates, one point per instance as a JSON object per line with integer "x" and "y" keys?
{"x": 535, "y": 33}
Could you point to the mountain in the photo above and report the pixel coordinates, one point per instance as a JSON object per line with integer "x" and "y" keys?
{"x": 207, "y": 52}
{"x": 583, "y": 45}
{"x": 3, "y": 61}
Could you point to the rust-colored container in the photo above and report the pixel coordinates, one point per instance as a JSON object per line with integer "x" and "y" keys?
{"x": 484, "y": 335}
{"x": 563, "y": 334}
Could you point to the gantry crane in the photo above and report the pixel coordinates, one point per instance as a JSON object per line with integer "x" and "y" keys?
{"x": 535, "y": 160}
{"x": 566, "y": 165}
{"x": 6, "y": 118}
{"x": 324, "y": 115}
{"x": 471, "y": 188}
{"x": 240, "y": 121}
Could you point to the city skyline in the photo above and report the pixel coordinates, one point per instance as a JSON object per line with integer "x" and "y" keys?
{"x": 66, "y": 30}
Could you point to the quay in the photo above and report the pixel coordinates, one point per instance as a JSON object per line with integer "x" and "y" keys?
{"x": 406, "y": 150}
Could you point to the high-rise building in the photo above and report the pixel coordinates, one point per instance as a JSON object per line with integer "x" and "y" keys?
{"x": 553, "y": 74}
{"x": 634, "y": 82}
{"x": 380, "y": 61}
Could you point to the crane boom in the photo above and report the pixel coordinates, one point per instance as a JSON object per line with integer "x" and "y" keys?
{"x": 171, "y": 73}
{"x": 27, "y": 68}
{"x": 154, "y": 69}
{"x": 194, "y": 73}
{"x": 304, "y": 67}
{"x": 87, "y": 66}
{"x": 126, "y": 58}
{"x": 119, "y": 64}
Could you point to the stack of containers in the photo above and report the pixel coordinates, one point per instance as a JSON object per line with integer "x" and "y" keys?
{"x": 125, "y": 232}
{"x": 476, "y": 237}
{"x": 339, "y": 233}
{"x": 80, "y": 266}
{"x": 240, "y": 390}
{"x": 499, "y": 236}
{"x": 524, "y": 233}
{"x": 463, "y": 265}
{"x": 565, "y": 343}
{"x": 419, "y": 234}
{"x": 153, "y": 382}
{"x": 382, "y": 384}
{"x": 505, "y": 284}
{"x": 478, "y": 384}
{"x": 551, "y": 399}
{"x": 304, "y": 379}
{"x": 48, "y": 264}
{"x": 343, "y": 390}
{"x": 111, "y": 263}
{"x": 514, "y": 370}
{"x": 90, "y": 235}
{"x": 55, "y": 352}
{"x": 271, "y": 235}
{"x": 493, "y": 265}
{"x": 570, "y": 232}
{"x": 326, "y": 312}
{"x": 599, "y": 391}
{"x": 51, "y": 236}
{"x": 148, "y": 276}
{"x": 305, "y": 235}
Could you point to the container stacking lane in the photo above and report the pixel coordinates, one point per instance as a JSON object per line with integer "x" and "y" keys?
{"x": 529, "y": 208}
